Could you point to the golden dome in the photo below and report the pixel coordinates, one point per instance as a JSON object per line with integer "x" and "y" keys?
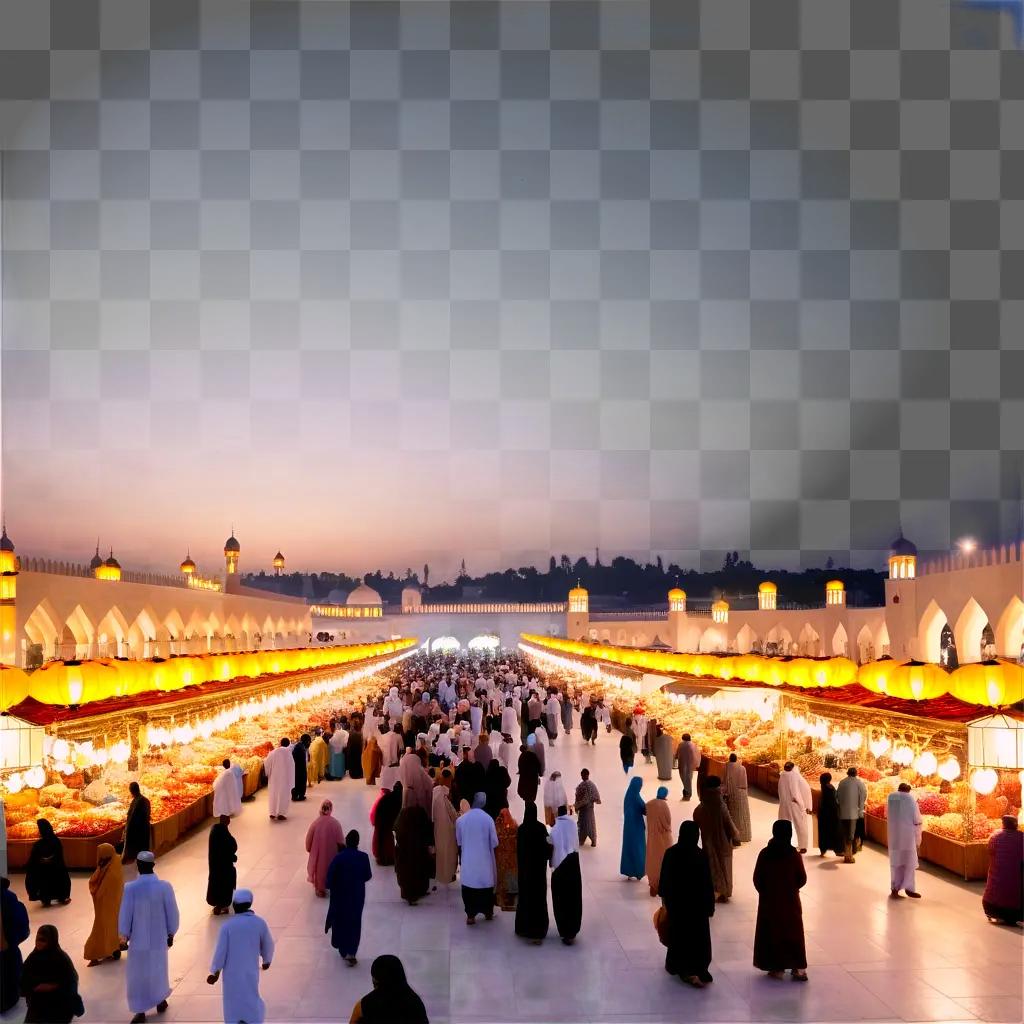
{"x": 578, "y": 591}
{"x": 279, "y": 561}
{"x": 231, "y": 544}
{"x": 835, "y": 585}
{"x": 767, "y": 587}
{"x": 677, "y": 594}
{"x": 188, "y": 567}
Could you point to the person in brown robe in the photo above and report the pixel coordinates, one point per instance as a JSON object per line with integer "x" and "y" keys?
{"x": 718, "y": 834}
{"x": 529, "y": 775}
{"x": 779, "y": 875}
{"x": 373, "y": 761}
{"x": 414, "y": 848}
{"x": 659, "y": 836}
{"x": 105, "y": 886}
{"x": 382, "y": 818}
{"x": 446, "y": 850}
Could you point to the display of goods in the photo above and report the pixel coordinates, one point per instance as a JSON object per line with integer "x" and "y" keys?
{"x": 53, "y": 796}
{"x": 869, "y": 774}
{"x": 932, "y": 803}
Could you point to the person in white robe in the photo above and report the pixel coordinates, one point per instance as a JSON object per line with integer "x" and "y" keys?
{"x": 795, "y": 803}
{"x": 147, "y": 922}
{"x": 279, "y": 765}
{"x": 239, "y": 774}
{"x": 227, "y": 799}
{"x": 506, "y": 752}
{"x": 243, "y": 943}
{"x": 554, "y": 797}
{"x": 477, "y": 839}
{"x": 509, "y": 719}
{"x": 393, "y": 706}
{"x": 476, "y": 717}
{"x": 904, "y": 837}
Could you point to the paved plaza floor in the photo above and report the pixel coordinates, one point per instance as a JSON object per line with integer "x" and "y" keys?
{"x": 870, "y": 958}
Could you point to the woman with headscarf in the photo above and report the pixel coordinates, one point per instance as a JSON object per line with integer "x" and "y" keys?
{"x": 382, "y": 818}
{"x": 354, "y": 749}
{"x": 324, "y": 838}
{"x": 446, "y": 850}
{"x": 533, "y": 854}
{"x": 554, "y": 797}
{"x": 1003, "y": 898}
{"x": 663, "y": 753}
{"x": 347, "y": 875}
{"x": 15, "y": 930}
{"x": 337, "y": 744}
{"x": 734, "y": 789}
{"x": 779, "y": 875}
{"x": 496, "y": 784}
{"x": 372, "y": 760}
{"x": 222, "y": 852}
{"x": 417, "y": 786}
{"x": 529, "y": 773}
{"x": 392, "y": 1000}
{"x": 566, "y": 881}
{"x": 588, "y": 723}
{"x": 319, "y": 755}
{"x": 634, "y": 839}
{"x": 659, "y": 836}
{"x": 106, "y": 885}
{"x": 627, "y": 750}
{"x": 49, "y": 982}
{"x": 538, "y": 747}
{"x": 46, "y": 877}
{"x": 413, "y": 851}
{"x": 688, "y": 896}
{"x": 506, "y": 886}
{"x": 830, "y": 835}
{"x": 718, "y": 835}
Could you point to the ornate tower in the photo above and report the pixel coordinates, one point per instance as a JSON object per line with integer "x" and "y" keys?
{"x": 232, "y": 550}
{"x": 8, "y": 597}
{"x": 577, "y": 620}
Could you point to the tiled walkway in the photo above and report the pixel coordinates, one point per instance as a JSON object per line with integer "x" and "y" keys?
{"x": 936, "y": 959}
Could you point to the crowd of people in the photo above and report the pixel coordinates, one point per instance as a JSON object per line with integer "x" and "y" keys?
{"x": 443, "y": 745}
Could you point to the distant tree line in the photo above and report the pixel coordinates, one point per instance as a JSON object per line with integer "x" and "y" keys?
{"x": 621, "y": 582}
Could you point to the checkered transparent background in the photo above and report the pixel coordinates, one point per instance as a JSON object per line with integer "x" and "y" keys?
{"x": 661, "y": 276}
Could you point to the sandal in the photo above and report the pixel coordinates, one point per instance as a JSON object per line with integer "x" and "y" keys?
{"x": 800, "y": 976}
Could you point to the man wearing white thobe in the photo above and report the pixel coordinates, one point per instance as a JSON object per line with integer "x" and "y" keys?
{"x": 903, "y": 818}
{"x": 147, "y": 921}
{"x": 393, "y": 705}
{"x": 279, "y": 765}
{"x": 477, "y": 839}
{"x": 239, "y": 774}
{"x": 509, "y": 721}
{"x": 227, "y": 798}
{"x": 795, "y": 802}
{"x": 243, "y": 942}
{"x": 392, "y": 746}
{"x": 476, "y": 716}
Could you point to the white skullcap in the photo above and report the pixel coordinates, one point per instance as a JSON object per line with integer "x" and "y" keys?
{"x": 147, "y": 857}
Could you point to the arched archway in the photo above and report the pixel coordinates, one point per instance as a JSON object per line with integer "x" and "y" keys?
{"x": 711, "y": 641}
{"x": 745, "y": 639}
{"x": 1010, "y": 630}
{"x": 41, "y": 634}
{"x": 929, "y": 633}
{"x": 445, "y": 645}
{"x": 809, "y": 641}
{"x": 840, "y": 642}
{"x": 865, "y": 645}
{"x": 110, "y": 634}
{"x": 968, "y": 631}
{"x": 143, "y": 634}
{"x": 175, "y": 626}
{"x": 778, "y": 641}
{"x": 882, "y": 640}
{"x": 484, "y": 644}
{"x": 77, "y": 635}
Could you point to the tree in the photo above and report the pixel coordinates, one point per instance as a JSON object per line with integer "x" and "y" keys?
{"x": 565, "y": 564}
{"x": 830, "y": 564}
{"x": 426, "y": 575}
{"x": 552, "y": 565}
{"x": 462, "y": 570}
{"x": 661, "y": 567}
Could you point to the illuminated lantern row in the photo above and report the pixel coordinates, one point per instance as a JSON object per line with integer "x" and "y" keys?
{"x": 60, "y": 683}
{"x": 992, "y": 684}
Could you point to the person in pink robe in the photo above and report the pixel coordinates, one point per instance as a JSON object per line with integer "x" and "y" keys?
{"x": 324, "y": 838}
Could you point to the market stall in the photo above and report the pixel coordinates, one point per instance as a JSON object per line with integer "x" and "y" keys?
{"x": 73, "y": 764}
{"x": 963, "y": 763}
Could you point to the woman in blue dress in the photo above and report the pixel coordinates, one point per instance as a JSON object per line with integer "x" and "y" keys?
{"x": 634, "y": 833}
{"x": 346, "y": 880}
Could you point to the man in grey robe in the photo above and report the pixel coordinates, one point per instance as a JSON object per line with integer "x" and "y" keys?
{"x": 587, "y": 797}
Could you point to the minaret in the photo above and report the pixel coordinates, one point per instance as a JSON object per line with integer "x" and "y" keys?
{"x": 8, "y": 600}
{"x": 232, "y": 550}
{"x": 577, "y": 620}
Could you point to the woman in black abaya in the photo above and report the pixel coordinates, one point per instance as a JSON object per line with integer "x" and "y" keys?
{"x": 533, "y": 853}
{"x": 688, "y": 896}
